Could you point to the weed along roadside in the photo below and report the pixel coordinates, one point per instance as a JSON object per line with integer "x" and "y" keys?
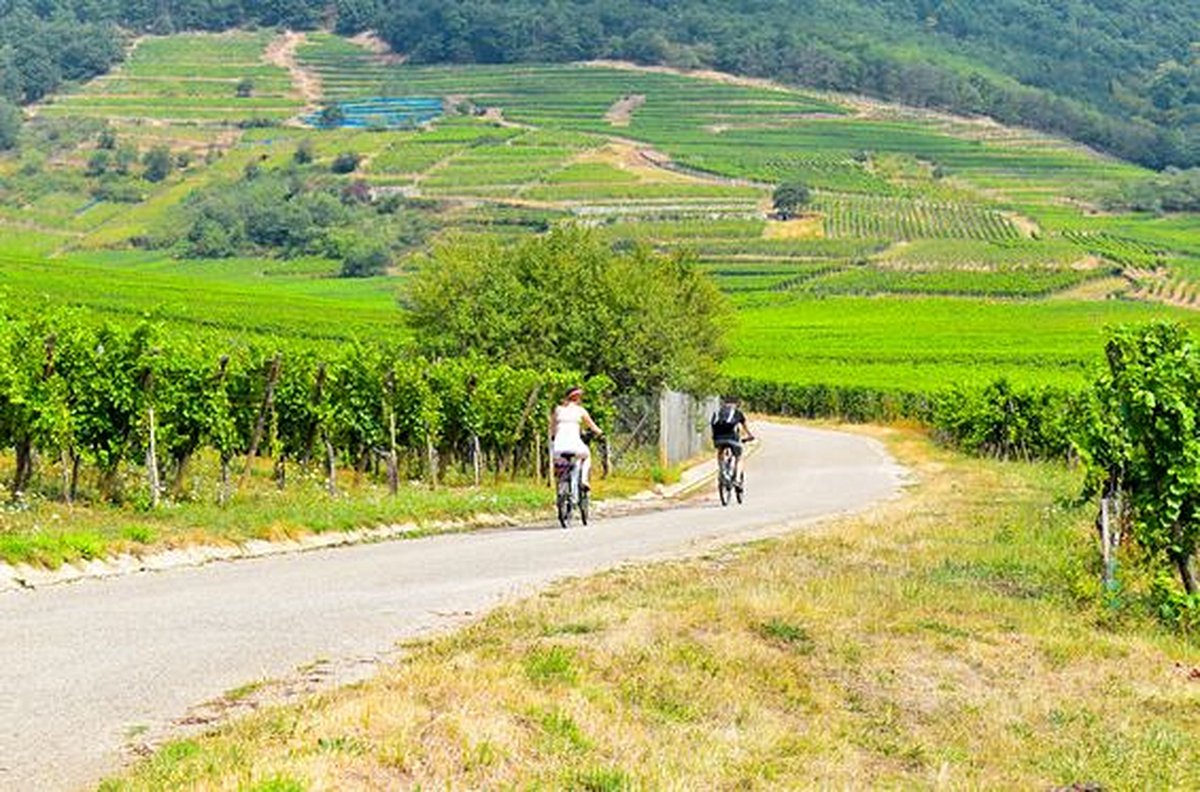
{"x": 942, "y": 638}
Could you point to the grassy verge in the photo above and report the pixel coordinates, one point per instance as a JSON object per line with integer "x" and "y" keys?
{"x": 49, "y": 533}
{"x": 942, "y": 640}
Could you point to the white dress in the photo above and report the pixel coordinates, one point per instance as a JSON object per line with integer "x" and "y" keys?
{"x": 568, "y": 437}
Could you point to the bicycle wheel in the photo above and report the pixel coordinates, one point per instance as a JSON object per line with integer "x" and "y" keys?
{"x": 585, "y": 502}
{"x": 739, "y": 490}
{"x": 564, "y": 502}
{"x": 724, "y": 479}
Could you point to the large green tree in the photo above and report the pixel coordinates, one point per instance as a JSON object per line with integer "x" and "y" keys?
{"x": 790, "y": 198}
{"x": 569, "y": 300}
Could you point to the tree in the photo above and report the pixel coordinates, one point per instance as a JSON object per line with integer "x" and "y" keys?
{"x": 98, "y": 163}
{"x": 330, "y": 116}
{"x": 125, "y": 158}
{"x": 245, "y": 88}
{"x": 158, "y": 162}
{"x": 10, "y": 124}
{"x": 790, "y": 198}
{"x": 569, "y": 300}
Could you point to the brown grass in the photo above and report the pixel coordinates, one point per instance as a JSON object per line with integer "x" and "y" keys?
{"x": 811, "y": 226}
{"x": 944, "y": 640}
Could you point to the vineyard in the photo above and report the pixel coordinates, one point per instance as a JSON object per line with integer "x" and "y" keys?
{"x": 84, "y": 401}
{"x": 894, "y": 218}
{"x": 953, "y": 228}
{"x": 921, "y": 344}
{"x": 215, "y": 79}
{"x": 1000, "y": 283}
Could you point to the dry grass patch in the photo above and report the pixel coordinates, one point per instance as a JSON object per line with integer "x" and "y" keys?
{"x": 938, "y": 641}
{"x": 810, "y": 226}
{"x": 1098, "y": 289}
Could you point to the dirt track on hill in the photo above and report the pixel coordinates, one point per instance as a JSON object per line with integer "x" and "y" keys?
{"x": 281, "y": 52}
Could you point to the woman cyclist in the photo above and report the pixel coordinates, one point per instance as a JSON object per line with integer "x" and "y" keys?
{"x": 566, "y": 424}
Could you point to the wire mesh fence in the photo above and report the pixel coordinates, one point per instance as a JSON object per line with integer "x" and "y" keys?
{"x": 670, "y": 427}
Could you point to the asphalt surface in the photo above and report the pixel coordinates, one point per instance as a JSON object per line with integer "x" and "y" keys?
{"x": 85, "y": 665}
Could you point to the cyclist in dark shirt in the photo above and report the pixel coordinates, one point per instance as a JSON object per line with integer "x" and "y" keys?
{"x": 729, "y": 430}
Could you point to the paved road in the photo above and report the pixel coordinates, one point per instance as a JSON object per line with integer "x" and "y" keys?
{"x": 82, "y": 665}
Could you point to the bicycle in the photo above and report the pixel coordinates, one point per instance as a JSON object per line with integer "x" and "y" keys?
{"x": 571, "y": 493}
{"x": 727, "y": 480}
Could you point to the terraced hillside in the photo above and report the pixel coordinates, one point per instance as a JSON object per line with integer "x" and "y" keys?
{"x": 960, "y": 212}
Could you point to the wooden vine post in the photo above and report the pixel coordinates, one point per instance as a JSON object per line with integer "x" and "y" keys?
{"x": 152, "y": 481}
{"x": 476, "y": 459}
{"x": 223, "y": 495}
{"x": 261, "y": 423}
{"x": 431, "y": 460}
{"x": 530, "y": 403}
{"x": 393, "y": 466}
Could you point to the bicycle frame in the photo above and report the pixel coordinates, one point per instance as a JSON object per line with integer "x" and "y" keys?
{"x": 570, "y": 490}
{"x": 727, "y": 481}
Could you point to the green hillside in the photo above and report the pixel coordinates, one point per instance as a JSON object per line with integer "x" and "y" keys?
{"x": 998, "y": 233}
{"x": 1123, "y": 77}
{"x": 1120, "y": 76}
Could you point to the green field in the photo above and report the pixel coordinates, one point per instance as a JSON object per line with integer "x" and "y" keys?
{"x": 928, "y": 255}
{"x": 924, "y": 343}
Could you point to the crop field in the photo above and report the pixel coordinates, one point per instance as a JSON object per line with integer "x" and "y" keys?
{"x": 924, "y": 343}
{"x": 934, "y": 226}
{"x": 859, "y": 217}
{"x": 297, "y": 308}
{"x": 994, "y": 283}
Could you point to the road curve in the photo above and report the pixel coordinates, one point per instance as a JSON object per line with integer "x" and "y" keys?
{"x": 83, "y": 665}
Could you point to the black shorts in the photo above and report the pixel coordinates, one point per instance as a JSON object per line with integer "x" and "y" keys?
{"x": 731, "y": 443}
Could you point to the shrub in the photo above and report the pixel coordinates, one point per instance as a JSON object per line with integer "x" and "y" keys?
{"x": 10, "y": 124}
{"x": 346, "y": 162}
{"x": 305, "y": 153}
{"x": 159, "y": 163}
{"x": 365, "y": 260}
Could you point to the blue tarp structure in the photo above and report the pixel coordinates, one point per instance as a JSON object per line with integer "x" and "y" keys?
{"x": 383, "y": 113}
